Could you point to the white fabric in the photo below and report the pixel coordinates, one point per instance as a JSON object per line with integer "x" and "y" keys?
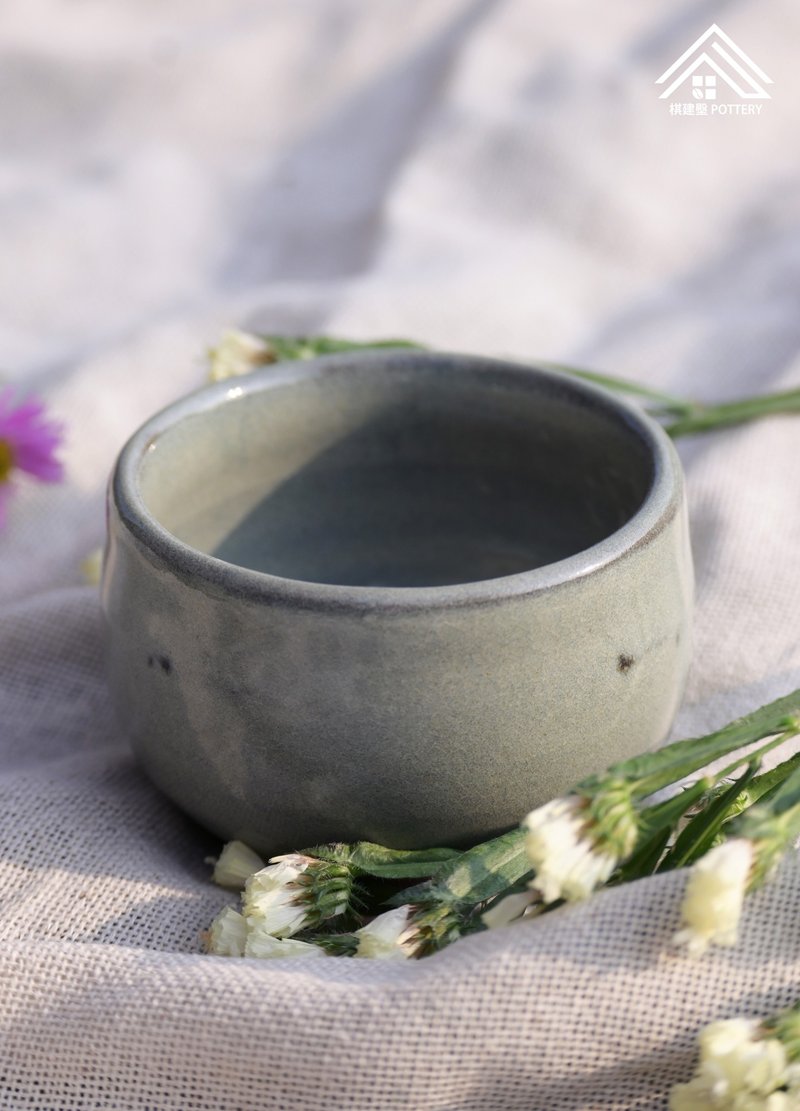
{"x": 485, "y": 176}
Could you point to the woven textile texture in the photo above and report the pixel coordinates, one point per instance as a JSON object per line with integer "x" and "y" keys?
{"x": 497, "y": 177}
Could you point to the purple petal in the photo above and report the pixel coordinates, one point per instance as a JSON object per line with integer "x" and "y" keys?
{"x": 32, "y": 437}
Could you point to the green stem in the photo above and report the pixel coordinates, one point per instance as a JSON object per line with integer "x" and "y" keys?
{"x": 706, "y": 418}
{"x": 751, "y": 756}
{"x": 666, "y": 814}
{"x": 786, "y": 797}
{"x": 290, "y": 348}
{"x": 691, "y": 417}
{"x": 699, "y": 833}
{"x": 655, "y": 770}
{"x": 644, "y": 861}
{"x": 653, "y": 820}
{"x": 766, "y": 785}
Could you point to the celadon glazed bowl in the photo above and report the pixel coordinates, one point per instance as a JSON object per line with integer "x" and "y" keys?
{"x": 402, "y": 597}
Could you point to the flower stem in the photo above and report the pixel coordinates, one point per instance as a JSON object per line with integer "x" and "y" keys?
{"x": 282, "y": 349}
{"x": 699, "y": 834}
{"x": 711, "y": 811}
{"x": 655, "y": 770}
{"x": 764, "y": 785}
{"x": 689, "y": 417}
{"x": 706, "y": 418}
{"x": 759, "y": 752}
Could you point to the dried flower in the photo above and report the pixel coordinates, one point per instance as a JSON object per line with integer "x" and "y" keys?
{"x": 292, "y": 893}
{"x": 575, "y": 843}
{"x": 740, "y": 1069}
{"x": 238, "y": 353}
{"x": 274, "y": 896}
{"x": 714, "y": 896}
{"x": 28, "y": 442}
{"x": 389, "y": 937}
{"x": 235, "y": 865}
{"x": 263, "y": 945}
{"x": 296, "y": 892}
{"x": 226, "y": 935}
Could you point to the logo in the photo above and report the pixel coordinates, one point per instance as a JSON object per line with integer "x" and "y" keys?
{"x": 712, "y": 62}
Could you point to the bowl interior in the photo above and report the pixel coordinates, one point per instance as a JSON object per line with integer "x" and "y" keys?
{"x": 402, "y": 475}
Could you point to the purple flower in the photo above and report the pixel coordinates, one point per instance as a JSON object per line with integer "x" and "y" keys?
{"x": 28, "y": 441}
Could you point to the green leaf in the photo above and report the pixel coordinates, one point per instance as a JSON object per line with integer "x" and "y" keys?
{"x": 666, "y": 815}
{"x": 655, "y": 770}
{"x": 645, "y": 858}
{"x": 766, "y": 785}
{"x": 335, "y": 945}
{"x": 698, "y": 835}
{"x": 397, "y": 864}
{"x": 785, "y": 797}
{"x": 366, "y": 858}
{"x": 478, "y": 874}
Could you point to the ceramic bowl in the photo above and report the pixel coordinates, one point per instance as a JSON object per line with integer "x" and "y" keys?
{"x": 402, "y": 597}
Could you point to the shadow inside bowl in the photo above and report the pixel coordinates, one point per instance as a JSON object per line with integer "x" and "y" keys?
{"x": 405, "y": 484}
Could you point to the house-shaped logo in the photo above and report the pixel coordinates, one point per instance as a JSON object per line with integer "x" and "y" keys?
{"x": 716, "y": 51}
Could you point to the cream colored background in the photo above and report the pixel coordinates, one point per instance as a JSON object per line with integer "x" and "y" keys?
{"x": 486, "y": 176}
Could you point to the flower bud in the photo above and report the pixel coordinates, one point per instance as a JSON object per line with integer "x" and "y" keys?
{"x": 264, "y": 946}
{"x": 235, "y": 865}
{"x": 226, "y": 935}
{"x": 740, "y": 1067}
{"x": 238, "y": 353}
{"x": 715, "y": 891}
{"x": 575, "y": 843}
{"x": 389, "y": 937}
{"x": 275, "y": 898}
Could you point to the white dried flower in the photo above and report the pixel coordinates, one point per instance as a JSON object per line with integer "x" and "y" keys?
{"x": 226, "y": 935}
{"x": 237, "y": 353}
{"x": 727, "y": 1036}
{"x": 274, "y": 897}
{"x": 507, "y": 910}
{"x": 739, "y": 1069}
{"x": 389, "y": 937}
{"x": 235, "y": 865}
{"x": 715, "y": 892}
{"x": 263, "y": 945}
{"x": 571, "y": 850}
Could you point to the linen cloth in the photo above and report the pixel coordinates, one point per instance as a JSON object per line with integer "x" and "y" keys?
{"x": 484, "y": 176}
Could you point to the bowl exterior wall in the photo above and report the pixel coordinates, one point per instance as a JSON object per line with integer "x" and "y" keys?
{"x": 286, "y": 724}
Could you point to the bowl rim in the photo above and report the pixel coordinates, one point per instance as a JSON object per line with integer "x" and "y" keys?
{"x": 217, "y": 576}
